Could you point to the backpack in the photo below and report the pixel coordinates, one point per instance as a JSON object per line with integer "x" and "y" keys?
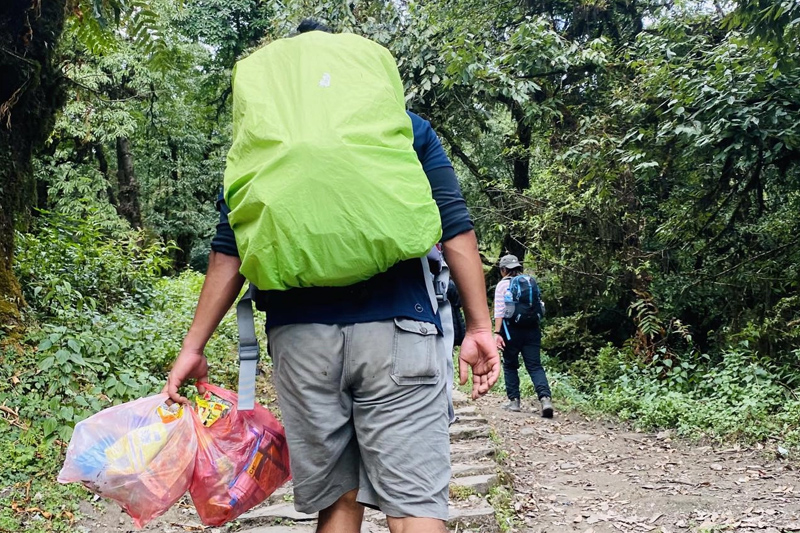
{"x": 523, "y": 302}
{"x": 323, "y": 183}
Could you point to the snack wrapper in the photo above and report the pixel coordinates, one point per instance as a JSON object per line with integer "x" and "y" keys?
{"x": 242, "y": 458}
{"x": 140, "y": 454}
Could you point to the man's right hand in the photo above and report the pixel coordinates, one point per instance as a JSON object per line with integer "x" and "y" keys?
{"x": 191, "y": 364}
{"x": 220, "y": 289}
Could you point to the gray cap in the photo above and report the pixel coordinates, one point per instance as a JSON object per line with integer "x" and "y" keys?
{"x": 509, "y": 261}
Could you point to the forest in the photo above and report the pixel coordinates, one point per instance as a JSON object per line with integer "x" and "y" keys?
{"x": 643, "y": 157}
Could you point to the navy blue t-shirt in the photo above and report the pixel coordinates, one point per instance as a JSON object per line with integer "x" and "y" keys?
{"x": 400, "y": 292}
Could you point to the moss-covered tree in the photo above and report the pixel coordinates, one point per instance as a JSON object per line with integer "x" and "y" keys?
{"x": 30, "y": 94}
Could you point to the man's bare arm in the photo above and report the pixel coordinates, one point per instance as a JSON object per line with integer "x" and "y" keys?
{"x": 478, "y": 349}
{"x": 461, "y": 254}
{"x": 221, "y": 287}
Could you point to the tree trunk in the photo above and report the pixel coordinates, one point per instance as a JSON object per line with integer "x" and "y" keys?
{"x": 514, "y": 242}
{"x": 513, "y": 246}
{"x": 128, "y": 204}
{"x": 183, "y": 240}
{"x": 30, "y": 94}
{"x": 102, "y": 164}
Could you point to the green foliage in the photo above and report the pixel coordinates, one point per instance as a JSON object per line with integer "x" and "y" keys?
{"x": 74, "y": 265}
{"x": 172, "y": 119}
{"x": 606, "y": 367}
{"x": 501, "y": 499}
{"x": 84, "y": 361}
{"x": 36, "y": 505}
{"x": 98, "y": 25}
{"x": 738, "y": 397}
{"x": 773, "y": 24}
{"x": 569, "y": 337}
{"x": 461, "y": 492}
{"x": 107, "y": 335}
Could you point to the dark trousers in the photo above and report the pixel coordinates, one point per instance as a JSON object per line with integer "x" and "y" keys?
{"x": 527, "y": 341}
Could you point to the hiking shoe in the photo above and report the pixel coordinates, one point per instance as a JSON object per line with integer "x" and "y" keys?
{"x": 547, "y": 407}
{"x": 512, "y": 405}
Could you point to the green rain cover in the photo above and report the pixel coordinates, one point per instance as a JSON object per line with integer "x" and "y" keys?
{"x": 322, "y": 180}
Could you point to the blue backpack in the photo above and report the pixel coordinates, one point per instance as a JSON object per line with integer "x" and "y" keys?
{"x": 523, "y": 302}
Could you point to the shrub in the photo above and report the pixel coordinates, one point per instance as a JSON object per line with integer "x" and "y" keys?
{"x": 740, "y": 397}
{"x": 79, "y": 264}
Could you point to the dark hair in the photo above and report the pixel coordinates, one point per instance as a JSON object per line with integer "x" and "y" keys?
{"x": 516, "y": 271}
{"x": 312, "y": 25}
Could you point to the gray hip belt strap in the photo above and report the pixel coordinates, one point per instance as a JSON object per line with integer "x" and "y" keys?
{"x": 248, "y": 350}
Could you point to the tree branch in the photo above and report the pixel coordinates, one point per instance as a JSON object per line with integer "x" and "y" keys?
{"x": 481, "y": 178}
{"x": 748, "y": 261}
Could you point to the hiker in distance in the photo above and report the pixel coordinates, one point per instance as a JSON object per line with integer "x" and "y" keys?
{"x": 333, "y": 195}
{"x": 518, "y": 310}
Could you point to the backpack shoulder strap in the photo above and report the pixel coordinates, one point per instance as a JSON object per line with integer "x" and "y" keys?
{"x": 535, "y": 284}
{"x": 532, "y": 289}
{"x": 248, "y": 351}
{"x": 513, "y": 286}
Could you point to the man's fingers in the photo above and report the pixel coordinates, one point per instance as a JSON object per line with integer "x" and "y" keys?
{"x": 494, "y": 374}
{"x": 177, "y": 398}
{"x": 200, "y": 384}
{"x": 172, "y": 391}
{"x": 483, "y": 386}
{"x": 463, "y": 371}
{"x": 478, "y": 388}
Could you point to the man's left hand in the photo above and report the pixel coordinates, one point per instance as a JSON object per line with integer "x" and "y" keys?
{"x": 478, "y": 350}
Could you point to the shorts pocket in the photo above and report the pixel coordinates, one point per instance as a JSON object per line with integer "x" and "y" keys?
{"x": 414, "y": 360}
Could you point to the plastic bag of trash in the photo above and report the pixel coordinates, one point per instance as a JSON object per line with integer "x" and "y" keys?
{"x": 140, "y": 454}
{"x": 242, "y": 457}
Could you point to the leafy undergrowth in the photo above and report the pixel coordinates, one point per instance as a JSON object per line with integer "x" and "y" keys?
{"x": 737, "y": 397}
{"x": 108, "y": 326}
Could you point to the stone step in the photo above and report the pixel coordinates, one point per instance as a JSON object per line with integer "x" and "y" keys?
{"x": 473, "y": 469}
{"x": 282, "y": 529}
{"x": 468, "y": 432}
{"x": 308, "y": 528}
{"x": 477, "y": 516}
{"x": 470, "y": 421}
{"x": 480, "y": 484}
{"x": 471, "y": 451}
{"x": 267, "y": 515}
{"x": 469, "y": 410}
{"x": 282, "y": 495}
{"x": 459, "y": 399}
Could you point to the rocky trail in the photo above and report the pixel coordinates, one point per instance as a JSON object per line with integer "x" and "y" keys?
{"x": 573, "y": 474}
{"x": 567, "y": 474}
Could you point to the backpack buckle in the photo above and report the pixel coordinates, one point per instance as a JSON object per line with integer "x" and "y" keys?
{"x": 249, "y": 352}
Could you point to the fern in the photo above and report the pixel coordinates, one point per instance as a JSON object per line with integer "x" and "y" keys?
{"x": 101, "y": 24}
{"x": 649, "y": 329}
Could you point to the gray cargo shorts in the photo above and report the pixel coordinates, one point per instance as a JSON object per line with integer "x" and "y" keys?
{"x": 365, "y": 407}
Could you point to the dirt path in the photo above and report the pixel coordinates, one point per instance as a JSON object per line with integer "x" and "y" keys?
{"x": 573, "y": 474}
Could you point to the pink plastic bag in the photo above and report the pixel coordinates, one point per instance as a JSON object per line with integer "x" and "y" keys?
{"x": 241, "y": 460}
{"x": 140, "y": 454}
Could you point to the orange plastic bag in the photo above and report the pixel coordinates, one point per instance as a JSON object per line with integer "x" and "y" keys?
{"x": 241, "y": 460}
{"x": 140, "y": 454}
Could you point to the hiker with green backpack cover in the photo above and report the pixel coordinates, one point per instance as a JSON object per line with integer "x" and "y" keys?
{"x": 333, "y": 195}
